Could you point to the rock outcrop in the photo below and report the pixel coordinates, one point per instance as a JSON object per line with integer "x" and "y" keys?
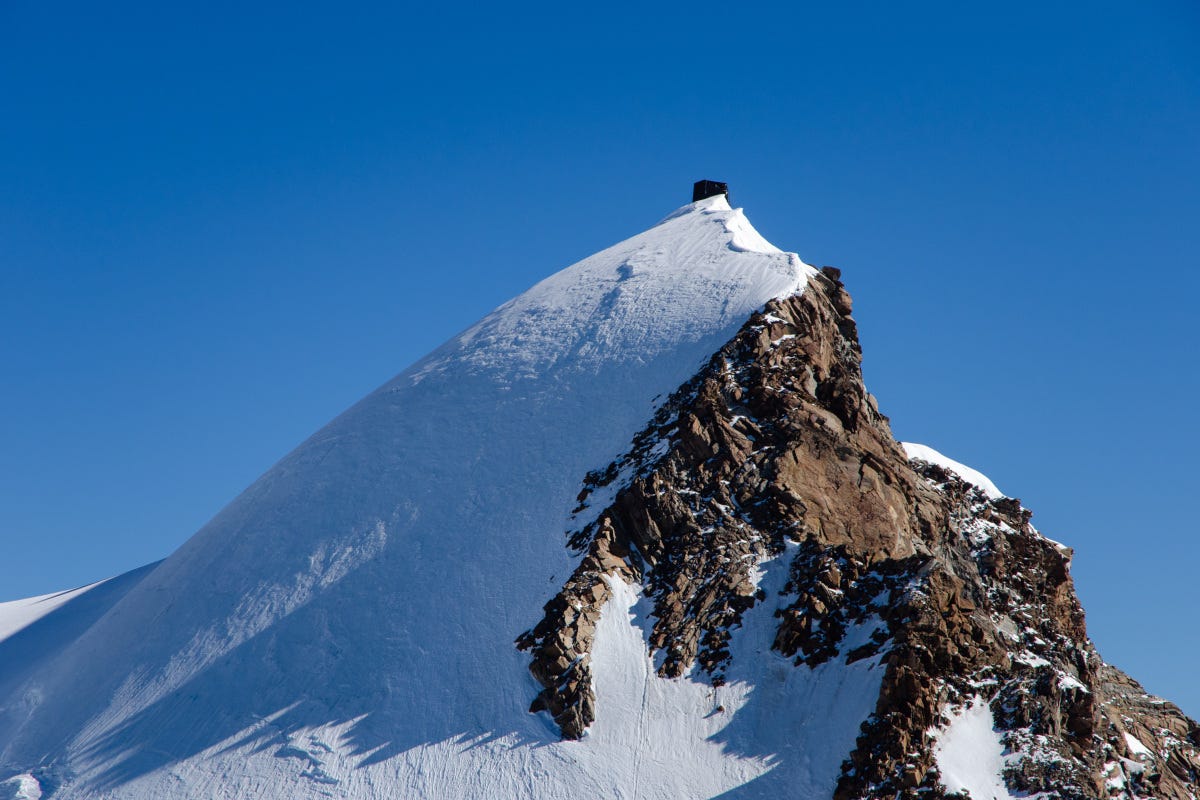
{"x": 776, "y": 446}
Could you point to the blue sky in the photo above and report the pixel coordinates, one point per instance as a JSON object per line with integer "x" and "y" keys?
{"x": 220, "y": 226}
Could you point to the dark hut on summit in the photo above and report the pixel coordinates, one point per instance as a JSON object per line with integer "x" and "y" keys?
{"x": 705, "y": 189}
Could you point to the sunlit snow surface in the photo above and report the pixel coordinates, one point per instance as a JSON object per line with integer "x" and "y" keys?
{"x": 970, "y": 755}
{"x": 923, "y": 452}
{"x": 345, "y": 627}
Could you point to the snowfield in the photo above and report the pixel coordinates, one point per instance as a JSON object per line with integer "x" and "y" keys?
{"x": 345, "y": 627}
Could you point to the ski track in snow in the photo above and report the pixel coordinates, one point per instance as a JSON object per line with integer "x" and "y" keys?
{"x": 345, "y": 627}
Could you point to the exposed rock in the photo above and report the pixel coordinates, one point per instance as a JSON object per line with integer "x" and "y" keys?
{"x": 777, "y": 440}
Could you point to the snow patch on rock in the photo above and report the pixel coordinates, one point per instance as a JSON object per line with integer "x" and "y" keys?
{"x": 970, "y": 755}
{"x": 921, "y": 452}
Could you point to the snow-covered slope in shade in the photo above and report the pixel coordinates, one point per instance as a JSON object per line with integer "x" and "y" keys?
{"x": 35, "y": 631}
{"x": 18, "y": 614}
{"x": 922, "y": 452}
{"x": 346, "y": 625}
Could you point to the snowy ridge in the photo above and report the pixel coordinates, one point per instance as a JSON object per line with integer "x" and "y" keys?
{"x": 345, "y": 626}
{"x": 970, "y": 753}
{"x": 921, "y": 452}
{"x": 678, "y": 279}
{"x": 16, "y": 615}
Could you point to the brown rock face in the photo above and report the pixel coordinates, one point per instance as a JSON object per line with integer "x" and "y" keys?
{"x": 775, "y": 441}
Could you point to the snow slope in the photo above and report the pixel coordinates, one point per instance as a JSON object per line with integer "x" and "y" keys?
{"x": 345, "y": 626}
{"x": 970, "y": 755}
{"x": 18, "y": 614}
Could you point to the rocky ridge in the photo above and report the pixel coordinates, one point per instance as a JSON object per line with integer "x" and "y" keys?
{"x": 776, "y": 449}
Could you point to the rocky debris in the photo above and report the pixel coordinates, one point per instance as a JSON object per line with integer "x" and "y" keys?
{"x": 993, "y": 587}
{"x": 776, "y": 440}
{"x": 994, "y": 615}
{"x": 1151, "y": 748}
{"x": 834, "y": 590}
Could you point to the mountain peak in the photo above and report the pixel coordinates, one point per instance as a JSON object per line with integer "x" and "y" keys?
{"x": 701, "y": 270}
{"x": 640, "y": 531}
{"x": 368, "y": 587}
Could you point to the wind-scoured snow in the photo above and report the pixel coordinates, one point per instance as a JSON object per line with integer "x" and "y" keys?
{"x": 921, "y": 452}
{"x": 345, "y": 627}
{"x": 21, "y": 787}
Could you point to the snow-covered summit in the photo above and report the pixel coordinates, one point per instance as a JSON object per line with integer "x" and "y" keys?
{"x": 350, "y": 617}
{"x": 703, "y": 265}
{"x": 768, "y": 598}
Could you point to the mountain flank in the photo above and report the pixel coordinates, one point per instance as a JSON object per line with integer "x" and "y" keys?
{"x": 639, "y": 532}
{"x": 776, "y": 450}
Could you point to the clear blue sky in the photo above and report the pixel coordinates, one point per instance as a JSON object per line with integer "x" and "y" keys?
{"x": 221, "y": 225}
